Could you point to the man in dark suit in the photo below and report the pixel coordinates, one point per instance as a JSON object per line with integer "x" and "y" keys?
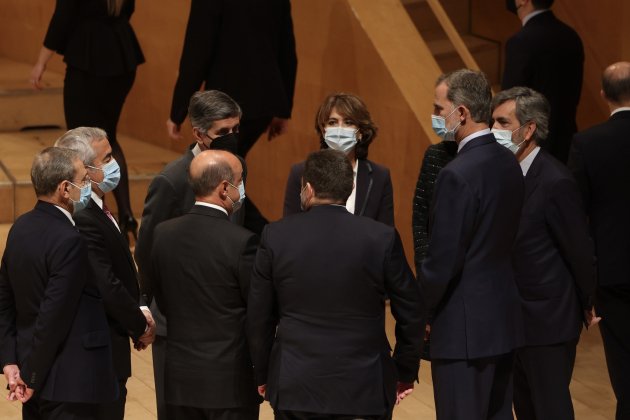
{"x": 553, "y": 260}
{"x": 202, "y": 265}
{"x": 245, "y": 48}
{"x": 547, "y": 56}
{"x": 54, "y": 340}
{"x": 112, "y": 264}
{"x": 599, "y": 161}
{"x": 316, "y": 313}
{"x": 467, "y": 275}
{"x": 215, "y": 118}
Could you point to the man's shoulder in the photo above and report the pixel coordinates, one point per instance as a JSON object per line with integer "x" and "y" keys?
{"x": 175, "y": 168}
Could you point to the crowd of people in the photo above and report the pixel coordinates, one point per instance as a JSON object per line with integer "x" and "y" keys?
{"x": 520, "y": 236}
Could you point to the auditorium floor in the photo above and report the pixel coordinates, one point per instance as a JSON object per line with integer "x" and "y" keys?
{"x": 592, "y": 396}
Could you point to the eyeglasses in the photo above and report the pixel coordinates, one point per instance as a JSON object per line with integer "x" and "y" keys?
{"x": 83, "y": 182}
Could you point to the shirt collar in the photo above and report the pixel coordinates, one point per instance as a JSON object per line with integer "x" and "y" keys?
{"x": 471, "y": 137}
{"x": 196, "y": 150}
{"x": 527, "y": 162}
{"x": 98, "y": 200}
{"x": 212, "y": 206}
{"x": 620, "y": 109}
{"x": 532, "y": 14}
{"x": 67, "y": 213}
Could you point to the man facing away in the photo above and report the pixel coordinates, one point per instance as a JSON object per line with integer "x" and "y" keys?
{"x": 202, "y": 264}
{"x": 316, "y": 311}
{"x": 54, "y": 339}
{"x": 467, "y": 275}
{"x": 599, "y": 160}
{"x": 112, "y": 265}
{"x": 553, "y": 260}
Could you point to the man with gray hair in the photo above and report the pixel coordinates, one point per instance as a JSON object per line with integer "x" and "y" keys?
{"x": 111, "y": 261}
{"x": 215, "y": 118}
{"x": 54, "y": 340}
{"x": 553, "y": 260}
{"x": 467, "y": 276}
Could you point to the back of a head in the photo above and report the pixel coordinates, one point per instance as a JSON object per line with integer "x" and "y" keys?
{"x": 542, "y": 4}
{"x": 616, "y": 83}
{"x": 471, "y": 89}
{"x": 208, "y": 170}
{"x": 530, "y": 106}
{"x": 330, "y": 174}
{"x": 208, "y": 106}
{"x": 52, "y": 166}
{"x": 80, "y": 140}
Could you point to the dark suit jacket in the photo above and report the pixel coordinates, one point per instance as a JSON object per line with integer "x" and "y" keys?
{"x": 244, "y": 48}
{"x": 599, "y": 161}
{"x": 553, "y": 255}
{"x": 93, "y": 41}
{"x": 327, "y": 272}
{"x": 374, "y": 196}
{"x": 115, "y": 273}
{"x": 467, "y": 274}
{"x": 202, "y": 266}
{"x": 52, "y": 321}
{"x": 547, "y": 56}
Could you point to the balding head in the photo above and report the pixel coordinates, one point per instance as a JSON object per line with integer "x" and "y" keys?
{"x": 212, "y": 172}
{"x": 616, "y": 84}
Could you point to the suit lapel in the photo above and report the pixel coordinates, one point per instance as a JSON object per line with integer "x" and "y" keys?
{"x": 363, "y": 187}
{"x": 531, "y": 179}
{"x": 99, "y": 214}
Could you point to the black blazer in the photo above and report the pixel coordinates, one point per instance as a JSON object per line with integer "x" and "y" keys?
{"x": 547, "y": 56}
{"x": 599, "y": 161}
{"x": 202, "y": 266}
{"x": 115, "y": 273}
{"x": 374, "y": 195}
{"x": 467, "y": 274}
{"x": 244, "y": 48}
{"x": 326, "y": 273}
{"x": 91, "y": 40}
{"x": 553, "y": 255}
{"x": 52, "y": 321}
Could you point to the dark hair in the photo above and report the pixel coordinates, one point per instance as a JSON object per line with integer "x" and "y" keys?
{"x": 542, "y": 4}
{"x": 50, "y": 168}
{"x": 330, "y": 174}
{"x": 208, "y": 106}
{"x": 530, "y": 106}
{"x": 616, "y": 85}
{"x": 349, "y": 106}
{"x": 471, "y": 89}
{"x": 210, "y": 178}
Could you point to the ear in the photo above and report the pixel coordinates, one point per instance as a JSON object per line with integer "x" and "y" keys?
{"x": 603, "y": 95}
{"x": 530, "y": 130}
{"x": 64, "y": 188}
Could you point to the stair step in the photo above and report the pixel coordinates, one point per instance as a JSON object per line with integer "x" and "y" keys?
{"x": 21, "y": 106}
{"x": 17, "y": 149}
{"x": 425, "y": 21}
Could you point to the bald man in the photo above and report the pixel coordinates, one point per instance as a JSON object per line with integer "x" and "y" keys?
{"x": 599, "y": 160}
{"x": 201, "y": 265}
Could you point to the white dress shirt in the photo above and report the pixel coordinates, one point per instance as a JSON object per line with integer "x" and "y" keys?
{"x": 471, "y": 137}
{"x": 351, "y": 203}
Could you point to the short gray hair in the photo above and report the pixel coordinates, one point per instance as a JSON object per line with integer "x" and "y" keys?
{"x": 209, "y": 106}
{"x": 530, "y": 106}
{"x": 52, "y": 166}
{"x": 210, "y": 178}
{"x": 80, "y": 139}
{"x": 471, "y": 89}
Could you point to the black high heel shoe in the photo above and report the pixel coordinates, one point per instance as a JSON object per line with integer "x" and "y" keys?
{"x": 129, "y": 225}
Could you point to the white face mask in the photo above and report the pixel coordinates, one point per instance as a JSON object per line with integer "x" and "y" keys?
{"x": 236, "y": 205}
{"x": 439, "y": 127}
{"x": 504, "y": 138}
{"x": 343, "y": 139}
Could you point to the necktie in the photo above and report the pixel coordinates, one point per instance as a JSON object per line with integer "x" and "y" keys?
{"x": 109, "y": 214}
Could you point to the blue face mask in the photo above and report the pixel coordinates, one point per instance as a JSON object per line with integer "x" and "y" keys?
{"x": 504, "y": 138}
{"x": 343, "y": 139}
{"x": 111, "y": 176}
{"x": 84, "y": 198}
{"x": 241, "y": 196}
{"x": 439, "y": 127}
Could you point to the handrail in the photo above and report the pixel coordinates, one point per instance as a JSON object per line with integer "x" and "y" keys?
{"x": 453, "y": 35}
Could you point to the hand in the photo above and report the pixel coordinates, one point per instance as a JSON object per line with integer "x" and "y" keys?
{"x": 22, "y": 392}
{"x": 11, "y": 374}
{"x": 402, "y": 390}
{"x": 36, "y": 75}
{"x": 149, "y": 335}
{"x": 277, "y": 126}
{"x": 174, "y": 130}
{"x": 262, "y": 390}
{"x": 591, "y": 318}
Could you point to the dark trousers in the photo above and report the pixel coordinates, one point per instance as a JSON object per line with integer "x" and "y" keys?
{"x": 479, "y": 389}
{"x": 542, "y": 375}
{"x": 614, "y": 308}
{"x": 159, "y": 365}
{"x": 179, "y": 412}
{"x": 38, "y": 409}
{"x": 114, "y": 410}
{"x": 303, "y": 415}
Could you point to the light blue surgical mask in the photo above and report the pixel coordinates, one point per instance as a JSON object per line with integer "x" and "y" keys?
{"x": 343, "y": 139}
{"x": 111, "y": 176}
{"x": 439, "y": 127}
{"x": 84, "y": 198}
{"x": 504, "y": 138}
{"x": 241, "y": 196}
